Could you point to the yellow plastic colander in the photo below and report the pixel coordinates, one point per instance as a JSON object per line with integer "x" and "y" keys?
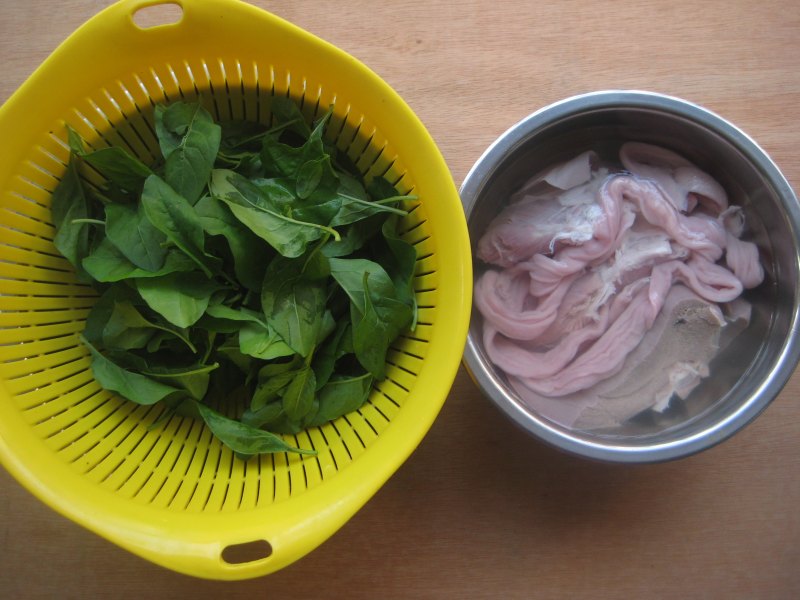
{"x": 173, "y": 494}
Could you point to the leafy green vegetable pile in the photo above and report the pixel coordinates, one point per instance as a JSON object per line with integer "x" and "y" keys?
{"x": 249, "y": 278}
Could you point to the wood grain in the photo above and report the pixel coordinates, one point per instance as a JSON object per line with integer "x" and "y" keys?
{"x": 480, "y": 510}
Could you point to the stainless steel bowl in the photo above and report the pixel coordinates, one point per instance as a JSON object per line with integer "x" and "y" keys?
{"x": 747, "y": 375}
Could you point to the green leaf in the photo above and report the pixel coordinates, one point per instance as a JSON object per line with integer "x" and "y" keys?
{"x": 265, "y": 415}
{"x": 133, "y": 386}
{"x": 69, "y": 203}
{"x": 247, "y": 249}
{"x": 354, "y": 209}
{"x": 275, "y": 194}
{"x": 327, "y": 328}
{"x": 350, "y": 273}
{"x": 75, "y": 142}
{"x": 316, "y": 266}
{"x": 100, "y": 313}
{"x": 285, "y": 111}
{"x": 321, "y": 214}
{"x": 370, "y": 337}
{"x": 114, "y": 163}
{"x": 376, "y": 324}
{"x": 241, "y": 136}
{"x": 126, "y": 327}
{"x": 308, "y": 178}
{"x": 293, "y": 304}
{"x": 181, "y": 298}
{"x": 229, "y": 349}
{"x": 162, "y": 340}
{"x": 304, "y": 163}
{"x": 298, "y": 396}
{"x": 380, "y": 189}
{"x": 355, "y": 236}
{"x": 351, "y": 186}
{"x": 342, "y": 396}
{"x": 314, "y": 147}
{"x": 244, "y": 163}
{"x": 176, "y": 218}
{"x": 288, "y": 236}
{"x": 316, "y": 180}
{"x": 189, "y": 140}
{"x": 244, "y": 439}
{"x": 222, "y": 311}
{"x": 272, "y": 369}
{"x": 271, "y": 388}
{"x": 169, "y": 140}
{"x": 280, "y": 159}
{"x": 399, "y": 258}
{"x": 129, "y": 229}
{"x": 285, "y": 425}
{"x": 259, "y": 340}
{"x": 193, "y": 379}
{"x": 107, "y": 264}
{"x": 333, "y": 349}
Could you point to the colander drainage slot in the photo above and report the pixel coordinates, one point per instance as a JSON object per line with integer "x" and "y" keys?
{"x": 157, "y": 14}
{"x": 237, "y": 554}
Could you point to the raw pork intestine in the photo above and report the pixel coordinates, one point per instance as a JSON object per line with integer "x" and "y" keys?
{"x": 590, "y": 269}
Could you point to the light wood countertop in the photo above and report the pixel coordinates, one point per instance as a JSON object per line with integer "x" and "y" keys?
{"x": 480, "y": 510}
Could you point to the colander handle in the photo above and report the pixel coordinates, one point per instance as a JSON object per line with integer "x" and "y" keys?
{"x": 214, "y": 558}
{"x": 150, "y": 16}
{"x": 146, "y": 14}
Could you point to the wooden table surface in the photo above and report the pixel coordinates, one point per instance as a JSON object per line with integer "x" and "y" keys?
{"x": 480, "y": 510}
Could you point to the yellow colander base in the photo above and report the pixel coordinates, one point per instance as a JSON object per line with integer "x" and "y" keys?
{"x": 174, "y": 495}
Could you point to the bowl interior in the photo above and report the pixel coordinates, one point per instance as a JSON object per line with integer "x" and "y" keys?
{"x": 743, "y": 372}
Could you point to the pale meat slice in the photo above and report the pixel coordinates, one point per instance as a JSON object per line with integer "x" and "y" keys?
{"x": 545, "y": 216}
{"x": 536, "y": 226}
{"x": 671, "y": 359}
{"x": 561, "y": 177}
{"x": 742, "y": 258}
{"x": 682, "y": 182}
{"x": 502, "y": 298}
{"x": 612, "y": 340}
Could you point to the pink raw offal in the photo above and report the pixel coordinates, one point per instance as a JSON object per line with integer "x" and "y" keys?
{"x": 589, "y": 264}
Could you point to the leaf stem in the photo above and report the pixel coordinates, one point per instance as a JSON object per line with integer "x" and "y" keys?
{"x": 179, "y": 335}
{"x": 230, "y": 280}
{"x": 211, "y": 337}
{"x": 325, "y": 228}
{"x": 383, "y": 202}
{"x": 88, "y": 222}
{"x": 307, "y": 359}
{"x": 400, "y": 198}
{"x": 280, "y": 127}
{"x": 258, "y": 136}
{"x": 198, "y": 371}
